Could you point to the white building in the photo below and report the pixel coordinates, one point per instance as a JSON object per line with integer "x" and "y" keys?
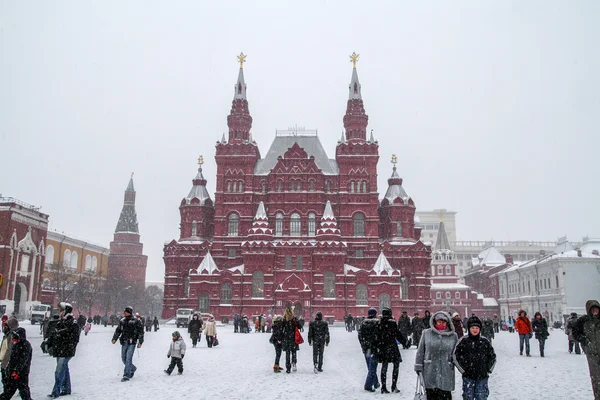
{"x": 429, "y": 221}
{"x": 555, "y": 284}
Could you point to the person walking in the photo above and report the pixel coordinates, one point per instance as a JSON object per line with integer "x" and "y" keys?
{"x": 523, "y": 328}
{"x": 236, "y": 319}
{"x": 540, "y": 328}
{"x": 405, "y": 327}
{"x": 417, "y": 328}
{"x": 487, "y": 329}
{"x": 62, "y": 344}
{"x": 290, "y": 324}
{"x": 475, "y": 359}
{"x": 569, "y": 331}
{"x": 318, "y": 338}
{"x": 434, "y": 357}
{"x": 210, "y": 331}
{"x": 496, "y": 321}
{"x": 367, "y": 336}
{"x": 458, "y": 325}
{"x": 18, "y": 367}
{"x": 587, "y": 332}
{"x": 130, "y": 333}
{"x": 176, "y": 353}
{"x": 277, "y": 341}
{"x": 155, "y": 324}
{"x": 195, "y": 329}
{"x": 427, "y": 319}
{"x": 511, "y": 324}
{"x": 387, "y": 336}
{"x": 8, "y": 326}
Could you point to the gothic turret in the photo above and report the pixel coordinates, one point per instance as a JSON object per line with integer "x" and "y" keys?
{"x": 442, "y": 242}
{"x": 197, "y": 209}
{"x": 128, "y": 219}
{"x": 239, "y": 120}
{"x": 329, "y": 228}
{"x": 355, "y": 120}
{"x": 260, "y": 226}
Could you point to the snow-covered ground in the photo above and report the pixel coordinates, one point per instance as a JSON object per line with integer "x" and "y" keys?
{"x": 242, "y": 367}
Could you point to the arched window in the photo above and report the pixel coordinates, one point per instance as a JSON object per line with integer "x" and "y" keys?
{"x": 203, "y": 302}
{"x": 279, "y": 186}
{"x": 241, "y": 187}
{"x": 74, "y": 259}
{"x": 94, "y": 263}
{"x": 228, "y": 186}
{"x": 438, "y": 295}
{"x": 328, "y": 186}
{"x": 194, "y": 228}
{"x": 67, "y": 258}
{"x": 448, "y": 295}
{"x": 404, "y": 288}
{"x": 457, "y": 295}
{"x": 311, "y": 185}
{"x": 557, "y": 281}
{"x": 278, "y": 224}
{"x": 448, "y": 270}
{"x": 299, "y": 265}
{"x": 329, "y": 285}
{"x": 364, "y": 185}
{"x": 298, "y": 186}
{"x": 362, "y": 298}
{"x": 264, "y": 188}
{"x": 258, "y": 284}
{"x": 351, "y": 187}
{"x": 440, "y": 270}
{"x": 384, "y": 301}
{"x": 292, "y": 186}
{"x": 50, "y": 254}
{"x": 399, "y": 229}
{"x": 226, "y": 293}
{"x": 186, "y": 286}
{"x": 288, "y": 262}
{"x": 359, "y": 224}
{"x": 88, "y": 262}
{"x": 312, "y": 224}
{"x": 295, "y": 226}
{"x": 232, "y": 227}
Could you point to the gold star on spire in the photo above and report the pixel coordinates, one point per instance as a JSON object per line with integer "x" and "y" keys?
{"x": 242, "y": 59}
{"x": 394, "y": 160}
{"x": 354, "y": 59}
{"x": 200, "y": 161}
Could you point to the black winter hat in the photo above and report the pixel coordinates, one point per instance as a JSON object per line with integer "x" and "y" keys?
{"x": 386, "y": 312}
{"x": 574, "y": 314}
{"x": 129, "y": 309}
{"x": 372, "y": 312}
{"x": 319, "y": 315}
{"x": 474, "y": 321}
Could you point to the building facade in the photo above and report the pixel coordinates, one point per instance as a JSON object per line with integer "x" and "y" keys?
{"x": 23, "y": 231}
{"x": 296, "y": 228}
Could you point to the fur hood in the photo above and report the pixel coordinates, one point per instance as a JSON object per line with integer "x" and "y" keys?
{"x": 589, "y": 304}
{"x": 442, "y": 315}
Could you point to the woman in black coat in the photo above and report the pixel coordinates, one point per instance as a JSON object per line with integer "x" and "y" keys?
{"x": 290, "y": 323}
{"x": 387, "y": 348}
{"x": 277, "y": 340}
{"x": 195, "y": 329}
{"x": 540, "y": 328}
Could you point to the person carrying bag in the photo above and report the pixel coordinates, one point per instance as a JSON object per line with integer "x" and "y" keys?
{"x": 419, "y": 389}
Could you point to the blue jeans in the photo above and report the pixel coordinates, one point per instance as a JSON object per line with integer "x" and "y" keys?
{"x": 372, "y": 381}
{"x": 524, "y": 338}
{"x": 475, "y": 389}
{"x": 62, "y": 377}
{"x": 127, "y": 351}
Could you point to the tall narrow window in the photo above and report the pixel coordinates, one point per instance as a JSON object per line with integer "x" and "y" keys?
{"x": 74, "y": 259}
{"x": 258, "y": 284}
{"x": 404, "y": 288}
{"x": 234, "y": 187}
{"x": 364, "y": 185}
{"x": 241, "y": 187}
{"x": 278, "y": 224}
{"x": 186, "y": 286}
{"x": 440, "y": 270}
{"x": 457, "y": 295}
{"x": 384, "y": 301}
{"x": 311, "y": 224}
{"x": 399, "y": 229}
{"x": 312, "y": 186}
{"x": 448, "y": 295}
{"x": 50, "y": 254}
{"x": 88, "y": 262}
{"x": 351, "y": 187}
{"x": 292, "y": 186}
{"x": 194, "y": 228}
{"x": 329, "y": 285}
{"x": 228, "y": 186}
{"x": 298, "y": 186}
{"x": 279, "y": 186}
{"x": 67, "y": 258}
{"x": 295, "y": 226}
{"x": 361, "y": 295}
{"x": 226, "y": 293}
{"x": 438, "y": 295}
{"x": 203, "y": 302}
{"x": 264, "y": 188}
{"x": 288, "y": 262}
{"x": 299, "y": 265}
{"x": 94, "y": 263}
{"x": 232, "y": 227}
{"x": 328, "y": 186}
{"x": 359, "y": 225}
{"x": 448, "y": 270}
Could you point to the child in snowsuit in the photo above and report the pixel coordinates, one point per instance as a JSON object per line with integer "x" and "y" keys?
{"x": 277, "y": 341}
{"x": 475, "y": 359}
{"x": 87, "y": 327}
{"x": 176, "y": 353}
{"x": 17, "y": 372}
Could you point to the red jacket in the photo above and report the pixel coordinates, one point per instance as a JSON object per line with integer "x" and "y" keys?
{"x": 523, "y": 325}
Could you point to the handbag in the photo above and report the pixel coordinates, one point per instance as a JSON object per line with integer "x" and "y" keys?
{"x": 419, "y": 389}
{"x": 299, "y": 338}
{"x": 215, "y": 341}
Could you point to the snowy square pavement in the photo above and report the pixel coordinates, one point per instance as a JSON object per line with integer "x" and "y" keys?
{"x": 241, "y": 367}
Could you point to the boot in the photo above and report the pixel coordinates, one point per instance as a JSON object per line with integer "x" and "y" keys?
{"x": 294, "y": 367}
{"x": 384, "y": 390}
{"x": 315, "y": 369}
{"x": 276, "y": 369}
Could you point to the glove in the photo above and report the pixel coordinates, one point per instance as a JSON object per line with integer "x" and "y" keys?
{"x": 14, "y": 375}
{"x": 182, "y": 356}
{"x": 113, "y": 341}
{"x": 168, "y": 356}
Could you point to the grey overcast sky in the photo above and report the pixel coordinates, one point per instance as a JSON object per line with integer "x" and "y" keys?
{"x": 493, "y": 108}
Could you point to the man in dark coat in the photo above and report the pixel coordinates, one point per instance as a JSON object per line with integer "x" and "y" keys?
{"x": 18, "y": 367}
{"x": 475, "y": 359}
{"x": 81, "y": 321}
{"x": 235, "y": 323}
{"x": 367, "y": 336}
{"x": 417, "y": 328}
{"x": 569, "y": 331}
{"x": 488, "y": 328}
{"x": 587, "y": 332}
{"x": 318, "y": 337}
{"x": 405, "y": 327}
{"x": 62, "y": 344}
{"x": 387, "y": 348}
{"x": 48, "y": 332}
{"x": 129, "y": 333}
{"x": 427, "y": 319}
{"x": 195, "y": 329}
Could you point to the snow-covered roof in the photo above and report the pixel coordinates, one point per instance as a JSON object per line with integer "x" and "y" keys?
{"x": 382, "y": 266}
{"x": 348, "y": 268}
{"x": 480, "y": 296}
{"x": 239, "y": 268}
{"x": 198, "y": 190}
{"x": 208, "y": 264}
{"x": 449, "y": 286}
{"x": 590, "y": 245}
{"x": 395, "y": 189}
{"x": 490, "y": 257}
{"x": 547, "y": 258}
{"x": 490, "y": 302}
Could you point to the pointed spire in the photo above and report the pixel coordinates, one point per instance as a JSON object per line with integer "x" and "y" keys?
{"x": 343, "y": 138}
{"x": 240, "y": 86}
{"x": 198, "y": 190}
{"x": 354, "y": 87}
{"x": 223, "y": 139}
{"x": 382, "y": 266}
{"x": 239, "y": 120}
{"x": 371, "y": 140}
{"x": 355, "y": 120}
{"x": 260, "y": 229}
{"x": 442, "y": 242}
{"x": 395, "y": 189}
{"x": 128, "y": 218}
{"x": 208, "y": 265}
{"x": 328, "y": 230}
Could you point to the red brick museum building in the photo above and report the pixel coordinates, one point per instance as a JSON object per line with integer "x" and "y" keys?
{"x": 296, "y": 228}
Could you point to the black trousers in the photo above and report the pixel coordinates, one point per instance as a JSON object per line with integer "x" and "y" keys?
{"x": 288, "y": 363}
{"x": 11, "y": 387}
{"x": 235, "y": 328}
{"x": 209, "y": 341}
{"x": 384, "y": 368}
{"x": 542, "y": 345}
{"x": 318, "y": 349}
{"x": 576, "y": 344}
{"x": 175, "y": 361}
{"x": 277, "y": 353}
{"x": 438, "y": 394}
{"x": 194, "y": 340}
